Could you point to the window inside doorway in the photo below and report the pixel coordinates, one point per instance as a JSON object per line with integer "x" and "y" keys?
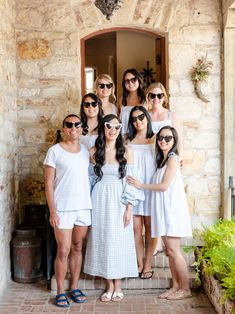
{"x": 89, "y": 79}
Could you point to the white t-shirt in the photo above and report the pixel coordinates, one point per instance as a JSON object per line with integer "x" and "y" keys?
{"x": 71, "y": 186}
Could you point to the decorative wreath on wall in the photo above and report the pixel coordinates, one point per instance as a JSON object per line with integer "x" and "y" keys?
{"x": 199, "y": 73}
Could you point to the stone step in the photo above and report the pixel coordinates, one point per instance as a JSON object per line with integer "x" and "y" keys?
{"x": 161, "y": 280}
{"x": 161, "y": 260}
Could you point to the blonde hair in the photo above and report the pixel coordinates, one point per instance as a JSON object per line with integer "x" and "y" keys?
{"x": 157, "y": 85}
{"x": 107, "y": 78}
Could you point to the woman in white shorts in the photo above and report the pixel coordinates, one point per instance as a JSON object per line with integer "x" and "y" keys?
{"x": 68, "y": 197}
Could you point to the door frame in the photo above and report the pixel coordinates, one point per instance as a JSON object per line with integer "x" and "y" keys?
{"x": 114, "y": 29}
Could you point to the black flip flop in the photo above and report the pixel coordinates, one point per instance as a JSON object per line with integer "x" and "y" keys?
{"x": 148, "y": 273}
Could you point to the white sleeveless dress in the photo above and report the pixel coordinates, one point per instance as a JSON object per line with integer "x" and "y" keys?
{"x": 157, "y": 125}
{"x": 114, "y": 110}
{"x": 88, "y": 140}
{"x": 169, "y": 209}
{"x": 124, "y": 116}
{"x": 144, "y": 161}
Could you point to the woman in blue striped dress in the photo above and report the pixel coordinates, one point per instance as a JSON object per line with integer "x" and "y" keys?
{"x": 110, "y": 249}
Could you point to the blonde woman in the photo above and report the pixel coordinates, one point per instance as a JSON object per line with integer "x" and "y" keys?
{"x": 105, "y": 88}
{"x": 161, "y": 115}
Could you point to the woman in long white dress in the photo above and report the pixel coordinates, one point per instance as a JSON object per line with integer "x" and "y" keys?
{"x": 91, "y": 114}
{"x": 140, "y": 140}
{"x": 110, "y": 251}
{"x": 169, "y": 210}
{"x": 105, "y": 89}
{"x": 133, "y": 95}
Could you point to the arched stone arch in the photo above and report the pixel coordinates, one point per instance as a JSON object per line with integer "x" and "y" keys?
{"x": 114, "y": 29}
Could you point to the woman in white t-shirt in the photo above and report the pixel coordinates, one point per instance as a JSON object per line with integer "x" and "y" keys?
{"x": 68, "y": 196}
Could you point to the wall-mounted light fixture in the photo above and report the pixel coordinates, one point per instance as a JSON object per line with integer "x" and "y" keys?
{"x": 108, "y": 6}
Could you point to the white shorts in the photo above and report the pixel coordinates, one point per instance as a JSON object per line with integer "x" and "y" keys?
{"x": 67, "y": 220}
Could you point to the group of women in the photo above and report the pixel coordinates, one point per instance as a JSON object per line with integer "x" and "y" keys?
{"x": 136, "y": 185}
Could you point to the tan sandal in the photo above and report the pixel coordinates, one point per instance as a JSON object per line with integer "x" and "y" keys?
{"x": 117, "y": 296}
{"x": 166, "y": 294}
{"x": 179, "y": 295}
{"x": 106, "y": 296}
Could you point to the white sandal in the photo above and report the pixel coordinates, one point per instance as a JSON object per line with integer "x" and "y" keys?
{"x": 117, "y": 296}
{"x": 106, "y": 296}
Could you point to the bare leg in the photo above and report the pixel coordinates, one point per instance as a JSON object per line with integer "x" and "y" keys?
{"x": 110, "y": 285}
{"x": 78, "y": 236}
{"x": 107, "y": 295}
{"x": 117, "y": 285}
{"x": 178, "y": 265}
{"x": 117, "y": 295}
{"x": 63, "y": 240}
{"x": 175, "y": 278}
{"x": 150, "y": 244}
{"x": 139, "y": 244}
{"x": 158, "y": 246}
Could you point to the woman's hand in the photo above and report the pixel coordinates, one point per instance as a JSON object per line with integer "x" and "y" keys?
{"x": 127, "y": 215}
{"x": 136, "y": 183}
{"x": 54, "y": 220}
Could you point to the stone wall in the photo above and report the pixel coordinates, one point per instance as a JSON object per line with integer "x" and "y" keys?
{"x": 8, "y": 136}
{"x": 49, "y": 80}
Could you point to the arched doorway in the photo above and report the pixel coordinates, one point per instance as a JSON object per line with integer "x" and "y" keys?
{"x": 114, "y": 50}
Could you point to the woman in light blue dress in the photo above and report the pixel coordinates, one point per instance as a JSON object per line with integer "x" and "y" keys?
{"x": 140, "y": 140}
{"x": 110, "y": 249}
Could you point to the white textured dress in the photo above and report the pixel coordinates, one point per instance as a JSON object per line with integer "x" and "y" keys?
{"x": 169, "y": 209}
{"x": 124, "y": 116}
{"x": 114, "y": 110}
{"x": 110, "y": 251}
{"x": 157, "y": 125}
{"x": 88, "y": 140}
{"x": 144, "y": 161}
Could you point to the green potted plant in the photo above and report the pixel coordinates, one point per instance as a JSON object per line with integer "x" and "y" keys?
{"x": 215, "y": 264}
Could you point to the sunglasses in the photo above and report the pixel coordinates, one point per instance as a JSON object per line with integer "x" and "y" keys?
{"x": 166, "y": 138}
{"x": 116, "y": 126}
{"x": 140, "y": 117}
{"x": 90, "y": 104}
{"x": 69, "y": 125}
{"x": 159, "y": 96}
{"x": 102, "y": 85}
{"x": 132, "y": 80}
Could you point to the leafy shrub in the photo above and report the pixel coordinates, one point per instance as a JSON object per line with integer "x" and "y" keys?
{"x": 218, "y": 252}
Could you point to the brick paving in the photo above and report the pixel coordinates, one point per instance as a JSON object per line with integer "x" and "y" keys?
{"x": 37, "y": 298}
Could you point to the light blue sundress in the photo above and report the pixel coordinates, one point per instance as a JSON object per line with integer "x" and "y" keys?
{"x": 110, "y": 251}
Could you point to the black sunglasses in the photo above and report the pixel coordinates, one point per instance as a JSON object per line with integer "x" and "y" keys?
{"x": 89, "y": 104}
{"x": 166, "y": 138}
{"x": 132, "y": 80}
{"x": 159, "y": 96}
{"x": 102, "y": 85}
{"x": 140, "y": 117}
{"x": 69, "y": 125}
